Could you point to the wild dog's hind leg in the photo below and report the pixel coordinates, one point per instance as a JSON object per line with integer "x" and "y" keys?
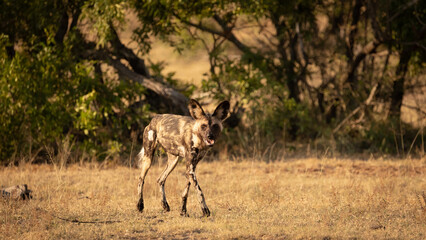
{"x": 172, "y": 161}
{"x": 145, "y": 157}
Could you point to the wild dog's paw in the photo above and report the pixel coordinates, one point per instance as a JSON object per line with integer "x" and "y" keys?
{"x": 140, "y": 205}
{"x": 165, "y": 205}
{"x": 184, "y": 214}
{"x": 206, "y": 212}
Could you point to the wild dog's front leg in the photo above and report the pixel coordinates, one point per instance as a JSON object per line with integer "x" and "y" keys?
{"x": 185, "y": 197}
{"x": 200, "y": 195}
{"x": 189, "y": 162}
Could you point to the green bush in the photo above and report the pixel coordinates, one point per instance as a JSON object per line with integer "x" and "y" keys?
{"x": 49, "y": 94}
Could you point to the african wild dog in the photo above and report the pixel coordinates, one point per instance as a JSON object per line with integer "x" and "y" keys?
{"x": 181, "y": 136}
{"x": 18, "y": 192}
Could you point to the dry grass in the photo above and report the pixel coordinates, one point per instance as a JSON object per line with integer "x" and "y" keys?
{"x": 307, "y": 198}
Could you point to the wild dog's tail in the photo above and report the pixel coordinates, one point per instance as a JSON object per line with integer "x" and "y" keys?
{"x": 140, "y": 157}
{"x": 142, "y": 152}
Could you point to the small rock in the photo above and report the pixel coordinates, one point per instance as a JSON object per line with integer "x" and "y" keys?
{"x": 377, "y": 226}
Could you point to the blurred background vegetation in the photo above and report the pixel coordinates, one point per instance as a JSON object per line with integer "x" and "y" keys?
{"x": 79, "y": 79}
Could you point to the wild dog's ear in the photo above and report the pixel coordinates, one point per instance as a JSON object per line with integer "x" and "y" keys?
{"x": 222, "y": 110}
{"x": 195, "y": 109}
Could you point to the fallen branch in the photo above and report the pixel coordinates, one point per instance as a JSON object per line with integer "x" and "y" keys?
{"x": 177, "y": 99}
{"x": 75, "y": 220}
{"x": 173, "y": 98}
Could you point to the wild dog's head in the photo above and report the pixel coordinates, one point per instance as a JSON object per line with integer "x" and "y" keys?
{"x": 208, "y": 126}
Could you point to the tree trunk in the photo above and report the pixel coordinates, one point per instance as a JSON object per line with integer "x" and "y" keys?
{"x": 120, "y": 50}
{"x": 63, "y": 28}
{"x": 398, "y": 84}
{"x": 356, "y": 12}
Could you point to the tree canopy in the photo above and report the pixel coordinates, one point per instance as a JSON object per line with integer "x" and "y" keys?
{"x": 300, "y": 70}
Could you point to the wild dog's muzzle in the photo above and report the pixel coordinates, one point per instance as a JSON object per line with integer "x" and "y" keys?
{"x": 210, "y": 140}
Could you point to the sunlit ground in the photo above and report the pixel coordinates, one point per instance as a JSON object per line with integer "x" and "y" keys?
{"x": 306, "y": 198}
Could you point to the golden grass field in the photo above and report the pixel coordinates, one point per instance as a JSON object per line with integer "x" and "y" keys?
{"x": 294, "y": 199}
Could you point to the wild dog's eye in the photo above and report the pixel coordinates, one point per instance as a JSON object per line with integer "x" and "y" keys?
{"x": 215, "y": 127}
{"x": 203, "y": 126}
